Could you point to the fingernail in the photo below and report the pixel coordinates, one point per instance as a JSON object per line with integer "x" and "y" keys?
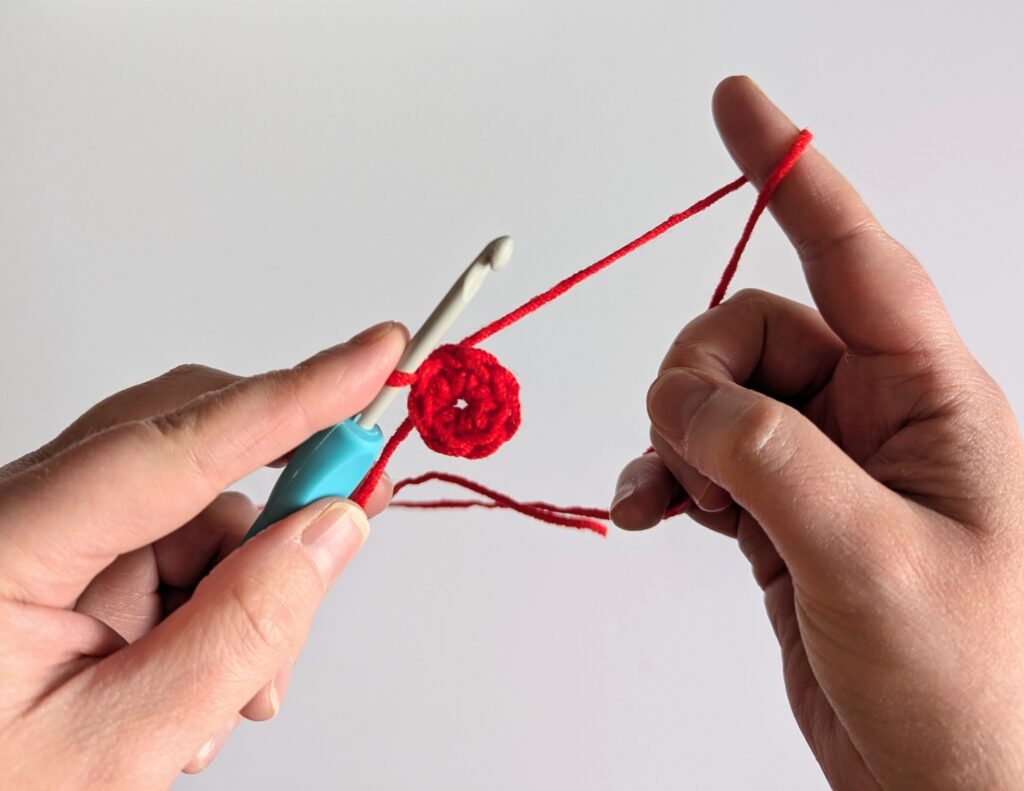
{"x": 701, "y": 499}
{"x": 279, "y": 686}
{"x": 274, "y": 698}
{"x": 209, "y": 750}
{"x": 373, "y": 334}
{"x": 335, "y": 535}
{"x": 712, "y": 498}
{"x": 623, "y": 492}
{"x": 674, "y": 399}
{"x": 203, "y": 756}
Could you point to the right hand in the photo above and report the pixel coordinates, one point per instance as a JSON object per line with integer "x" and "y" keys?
{"x": 124, "y": 659}
{"x": 873, "y": 474}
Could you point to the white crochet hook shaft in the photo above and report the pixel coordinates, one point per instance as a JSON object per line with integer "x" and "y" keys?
{"x": 492, "y": 258}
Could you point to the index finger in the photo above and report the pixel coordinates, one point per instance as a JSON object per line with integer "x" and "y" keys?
{"x": 165, "y": 393}
{"x": 64, "y": 520}
{"x": 870, "y": 289}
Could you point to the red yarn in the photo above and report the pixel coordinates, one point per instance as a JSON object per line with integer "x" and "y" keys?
{"x": 573, "y": 516}
{"x": 400, "y": 379}
{"x": 763, "y": 196}
{"x": 465, "y": 403}
{"x": 545, "y": 512}
{"x": 560, "y": 288}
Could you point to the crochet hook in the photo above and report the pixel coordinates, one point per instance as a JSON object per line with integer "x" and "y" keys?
{"x": 334, "y": 461}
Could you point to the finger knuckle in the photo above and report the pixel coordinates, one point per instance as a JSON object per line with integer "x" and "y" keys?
{"x": 758, "y": 438}
{"x": 750, "y": 295}
{"x": 140, "y": 433}
{"x": 235, "y": 501}
{"x": 177, "y": 425}
{"x": 260, "y": 619}
{"x": 699, "y": 344}
{"x": 180, "y": 428}
{"x": 814, "y": 249}
{"x": 696, "y": 354}
{"x": 187, "y": 371}
{"x": 286, "y": 388}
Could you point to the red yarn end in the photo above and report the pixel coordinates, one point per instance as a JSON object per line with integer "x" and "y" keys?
{"x": 400, "y": 379}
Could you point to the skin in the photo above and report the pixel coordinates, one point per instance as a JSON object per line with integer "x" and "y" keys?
{"x": 871, "y": 472}
{"x": 123, "y": 660}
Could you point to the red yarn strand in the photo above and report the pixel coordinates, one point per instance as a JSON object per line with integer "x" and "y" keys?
{"x": 430, "y": 409}
{"x": 763, "y": 196}
{"x": 560, "y": 288}
{"x": 552, "y": 514}
{"x": 362, "y": 495}
{"x": 572, "y": 510}
{"x": 457, "y": 480}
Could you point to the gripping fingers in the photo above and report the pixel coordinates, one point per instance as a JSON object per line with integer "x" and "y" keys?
{"x": 267, "y": 702}
{"x": 247, "y": 619}
{"x": 169, "y": 468}
{"x": 819, "y": 508}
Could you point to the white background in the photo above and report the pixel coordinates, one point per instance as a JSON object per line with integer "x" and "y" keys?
{"x": 242, "y": 184}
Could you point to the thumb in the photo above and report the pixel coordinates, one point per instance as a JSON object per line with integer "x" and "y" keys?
{"x": 188, "y": 677}
{"x": 825, "y": 515}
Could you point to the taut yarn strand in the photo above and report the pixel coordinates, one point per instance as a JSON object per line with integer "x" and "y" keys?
{"x": 464, "y": 402}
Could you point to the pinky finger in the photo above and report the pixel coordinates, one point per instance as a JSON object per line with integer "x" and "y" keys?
{"x": 267, "y": 702}
{"x": 204, "y": 757}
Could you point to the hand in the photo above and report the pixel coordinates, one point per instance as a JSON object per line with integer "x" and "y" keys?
{"x": 873, "y": 475}
{"x": 123, "y": 661}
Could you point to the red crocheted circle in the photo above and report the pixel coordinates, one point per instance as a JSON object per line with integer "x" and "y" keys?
{"x": 464, "y": 402}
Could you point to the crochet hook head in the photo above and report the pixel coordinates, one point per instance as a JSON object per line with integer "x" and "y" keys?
{"x": 492, "y": 258}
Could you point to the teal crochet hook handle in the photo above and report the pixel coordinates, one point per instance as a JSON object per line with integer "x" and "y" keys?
{"x": 331, "y": 463}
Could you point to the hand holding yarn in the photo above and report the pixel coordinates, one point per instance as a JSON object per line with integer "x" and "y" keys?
{"x": 871, "y": 472}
